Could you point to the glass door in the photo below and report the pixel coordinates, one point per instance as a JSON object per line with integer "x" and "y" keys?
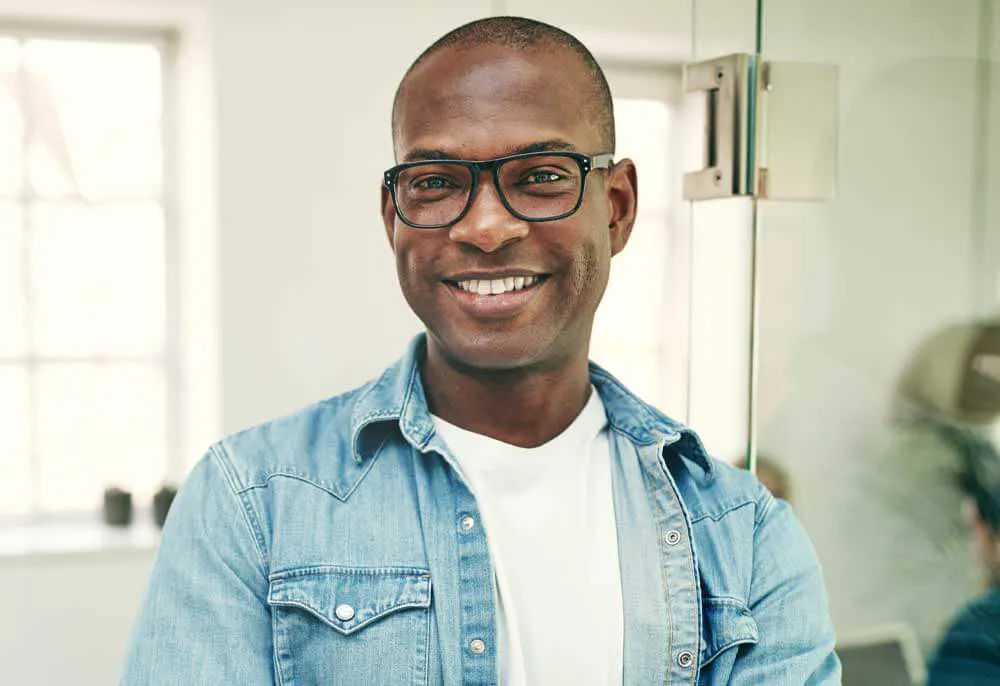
{"x": 878, "y": 322}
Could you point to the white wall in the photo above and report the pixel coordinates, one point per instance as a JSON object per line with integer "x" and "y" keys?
{"x": 66, "y": 618}
{"x": 850, "y": 287}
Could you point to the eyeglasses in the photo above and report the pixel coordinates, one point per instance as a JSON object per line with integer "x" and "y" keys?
{"x": 534, "y": 186}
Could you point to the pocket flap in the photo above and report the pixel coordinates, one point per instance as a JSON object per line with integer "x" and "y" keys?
{"x": 728, "y": 622}
{"x": 350, "y": 598}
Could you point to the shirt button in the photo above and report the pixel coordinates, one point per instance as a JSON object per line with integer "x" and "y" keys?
{"x": 672, "y": 537}
{"x": 477, "y": 646}
{"x": 344, "y": 612}
{"x": 685, "y": 659}
{"x": 467, "y": 523}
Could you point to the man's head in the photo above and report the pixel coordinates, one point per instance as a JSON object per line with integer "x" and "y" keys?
{"x": 490, "y": 89}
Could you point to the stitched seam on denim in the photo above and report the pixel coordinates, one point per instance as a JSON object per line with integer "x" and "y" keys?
{"x": 665, "y": 579}
{"x": 764, "y": 508}
{"x": 729, "y": 601}
{"x": 280, "y": 649}
{"x": 222, "y": 460}
{"x": 635, "y": 440}
{"x": 410, "y": 390}
{"x": 324, "y": 486}
{"x": 719, "y": 515}
{"x": 357, "y": 627}
{"x": 368, "y": 390}
{"x": 721, "y": 649}
{"x": 426, "y": 667}
{"x": 367, "y": 469}
{"x": 696, "y": 609}
{"x": 696, "y": 606}
{"x": 296, "y": 572}
{"x": 376, "y": 414}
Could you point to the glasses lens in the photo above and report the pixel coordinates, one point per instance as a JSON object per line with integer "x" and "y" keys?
{"x": 542, "y": 186}
{"x": 433, "y": 194}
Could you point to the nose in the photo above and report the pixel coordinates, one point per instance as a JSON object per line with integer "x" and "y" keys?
{"x": 488, "y": 225}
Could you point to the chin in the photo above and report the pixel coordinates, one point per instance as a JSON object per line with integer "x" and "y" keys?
{"x": 494, "y": 351}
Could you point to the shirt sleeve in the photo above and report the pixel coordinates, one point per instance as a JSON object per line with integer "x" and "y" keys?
{"x": 789, "y": 604}
{"x": 205, "y": 618}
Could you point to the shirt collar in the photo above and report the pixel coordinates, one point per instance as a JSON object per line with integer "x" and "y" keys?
{"x": 397, "y": 398}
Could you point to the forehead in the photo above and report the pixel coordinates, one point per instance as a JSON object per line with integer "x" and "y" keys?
{"x": 487, "y": 101}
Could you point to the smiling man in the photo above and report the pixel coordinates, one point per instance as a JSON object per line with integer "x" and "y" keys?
{"x": 494, "y": 508}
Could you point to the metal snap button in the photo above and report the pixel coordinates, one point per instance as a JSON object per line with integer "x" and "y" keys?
{"x": 344, "y": 612}
{"x": 672, "y": 537}
{"x": 467, "y": 523}
{"x": 477, "y": 646}
{"x": 685, "y": 659}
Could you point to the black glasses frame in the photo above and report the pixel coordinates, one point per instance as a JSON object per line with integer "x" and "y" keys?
{"x": 587, "y": 163}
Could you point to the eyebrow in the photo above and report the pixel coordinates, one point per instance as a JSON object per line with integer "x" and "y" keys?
{"x": 551, "y": 145}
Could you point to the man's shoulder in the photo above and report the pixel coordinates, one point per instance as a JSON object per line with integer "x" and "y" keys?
{"x": 311, "y": 443}
{"x": 726, "y": 489}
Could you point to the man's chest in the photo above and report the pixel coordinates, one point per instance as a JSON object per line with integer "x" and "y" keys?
{"x": 398, "y": 585}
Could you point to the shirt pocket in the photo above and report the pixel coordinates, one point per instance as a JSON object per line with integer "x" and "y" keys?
{"x": 350, "y": 625}
{"x": 728, "y": 624}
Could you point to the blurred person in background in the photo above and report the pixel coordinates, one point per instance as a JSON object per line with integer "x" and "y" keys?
{"x": 946, "y": 422}
{"x": 348, "y": 543}
{"x": 970, "y": 650}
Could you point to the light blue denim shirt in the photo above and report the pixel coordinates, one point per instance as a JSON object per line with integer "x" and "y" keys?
{"x": 326, "y": 547}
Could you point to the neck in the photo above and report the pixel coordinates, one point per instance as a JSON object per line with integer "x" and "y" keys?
{"x": 526, "y": 408}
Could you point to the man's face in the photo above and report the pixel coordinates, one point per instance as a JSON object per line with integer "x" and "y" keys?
{"x": 487, "y": 102}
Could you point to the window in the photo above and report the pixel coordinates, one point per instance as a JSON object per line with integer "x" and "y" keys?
{"x": 87, "y": 380}
{"x": 640, "y": 328}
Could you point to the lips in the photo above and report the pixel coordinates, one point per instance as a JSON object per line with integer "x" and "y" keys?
{"x": 497, "y": 297}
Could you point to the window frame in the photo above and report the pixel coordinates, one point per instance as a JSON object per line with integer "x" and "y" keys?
{"x": 165, "y": 41}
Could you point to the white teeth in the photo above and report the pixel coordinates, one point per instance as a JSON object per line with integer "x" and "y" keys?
{"x": 497, "y": 286}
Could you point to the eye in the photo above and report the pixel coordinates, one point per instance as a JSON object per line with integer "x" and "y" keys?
{"x": 540, "y": 177}
{"x": 433, "y": 183}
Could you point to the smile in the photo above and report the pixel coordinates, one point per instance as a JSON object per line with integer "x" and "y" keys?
{"x": 508, "y": 284}
{"x": 498, "y": 298}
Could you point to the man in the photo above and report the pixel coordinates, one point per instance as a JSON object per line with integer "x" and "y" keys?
{"x": 492, "y": 509}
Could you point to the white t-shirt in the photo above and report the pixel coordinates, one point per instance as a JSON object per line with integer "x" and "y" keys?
{"x": 550, "y": 521}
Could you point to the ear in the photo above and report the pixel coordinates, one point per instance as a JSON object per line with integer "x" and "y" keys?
{"x": 623, "y": 196}
{"x": 389, "y": 217}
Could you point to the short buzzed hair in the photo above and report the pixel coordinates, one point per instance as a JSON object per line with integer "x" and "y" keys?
{"x": 521, "y": 33}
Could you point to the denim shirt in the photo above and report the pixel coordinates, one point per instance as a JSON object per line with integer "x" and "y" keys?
{"x": 326, "y": 547}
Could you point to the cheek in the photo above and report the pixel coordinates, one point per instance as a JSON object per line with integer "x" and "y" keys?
{"x": 411, "y": 258}
{"x": 590, "y": 277}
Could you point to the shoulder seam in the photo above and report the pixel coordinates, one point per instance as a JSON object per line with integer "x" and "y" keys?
{"x": 246, "y": 508}
{"x": 764, "y": 506}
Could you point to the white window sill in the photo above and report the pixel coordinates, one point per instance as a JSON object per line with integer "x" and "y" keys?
{"x": 90, "y": 535}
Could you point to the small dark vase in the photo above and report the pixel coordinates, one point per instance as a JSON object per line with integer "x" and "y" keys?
{"x": 161, "y": 504}
{"x": 117, "y": 507}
